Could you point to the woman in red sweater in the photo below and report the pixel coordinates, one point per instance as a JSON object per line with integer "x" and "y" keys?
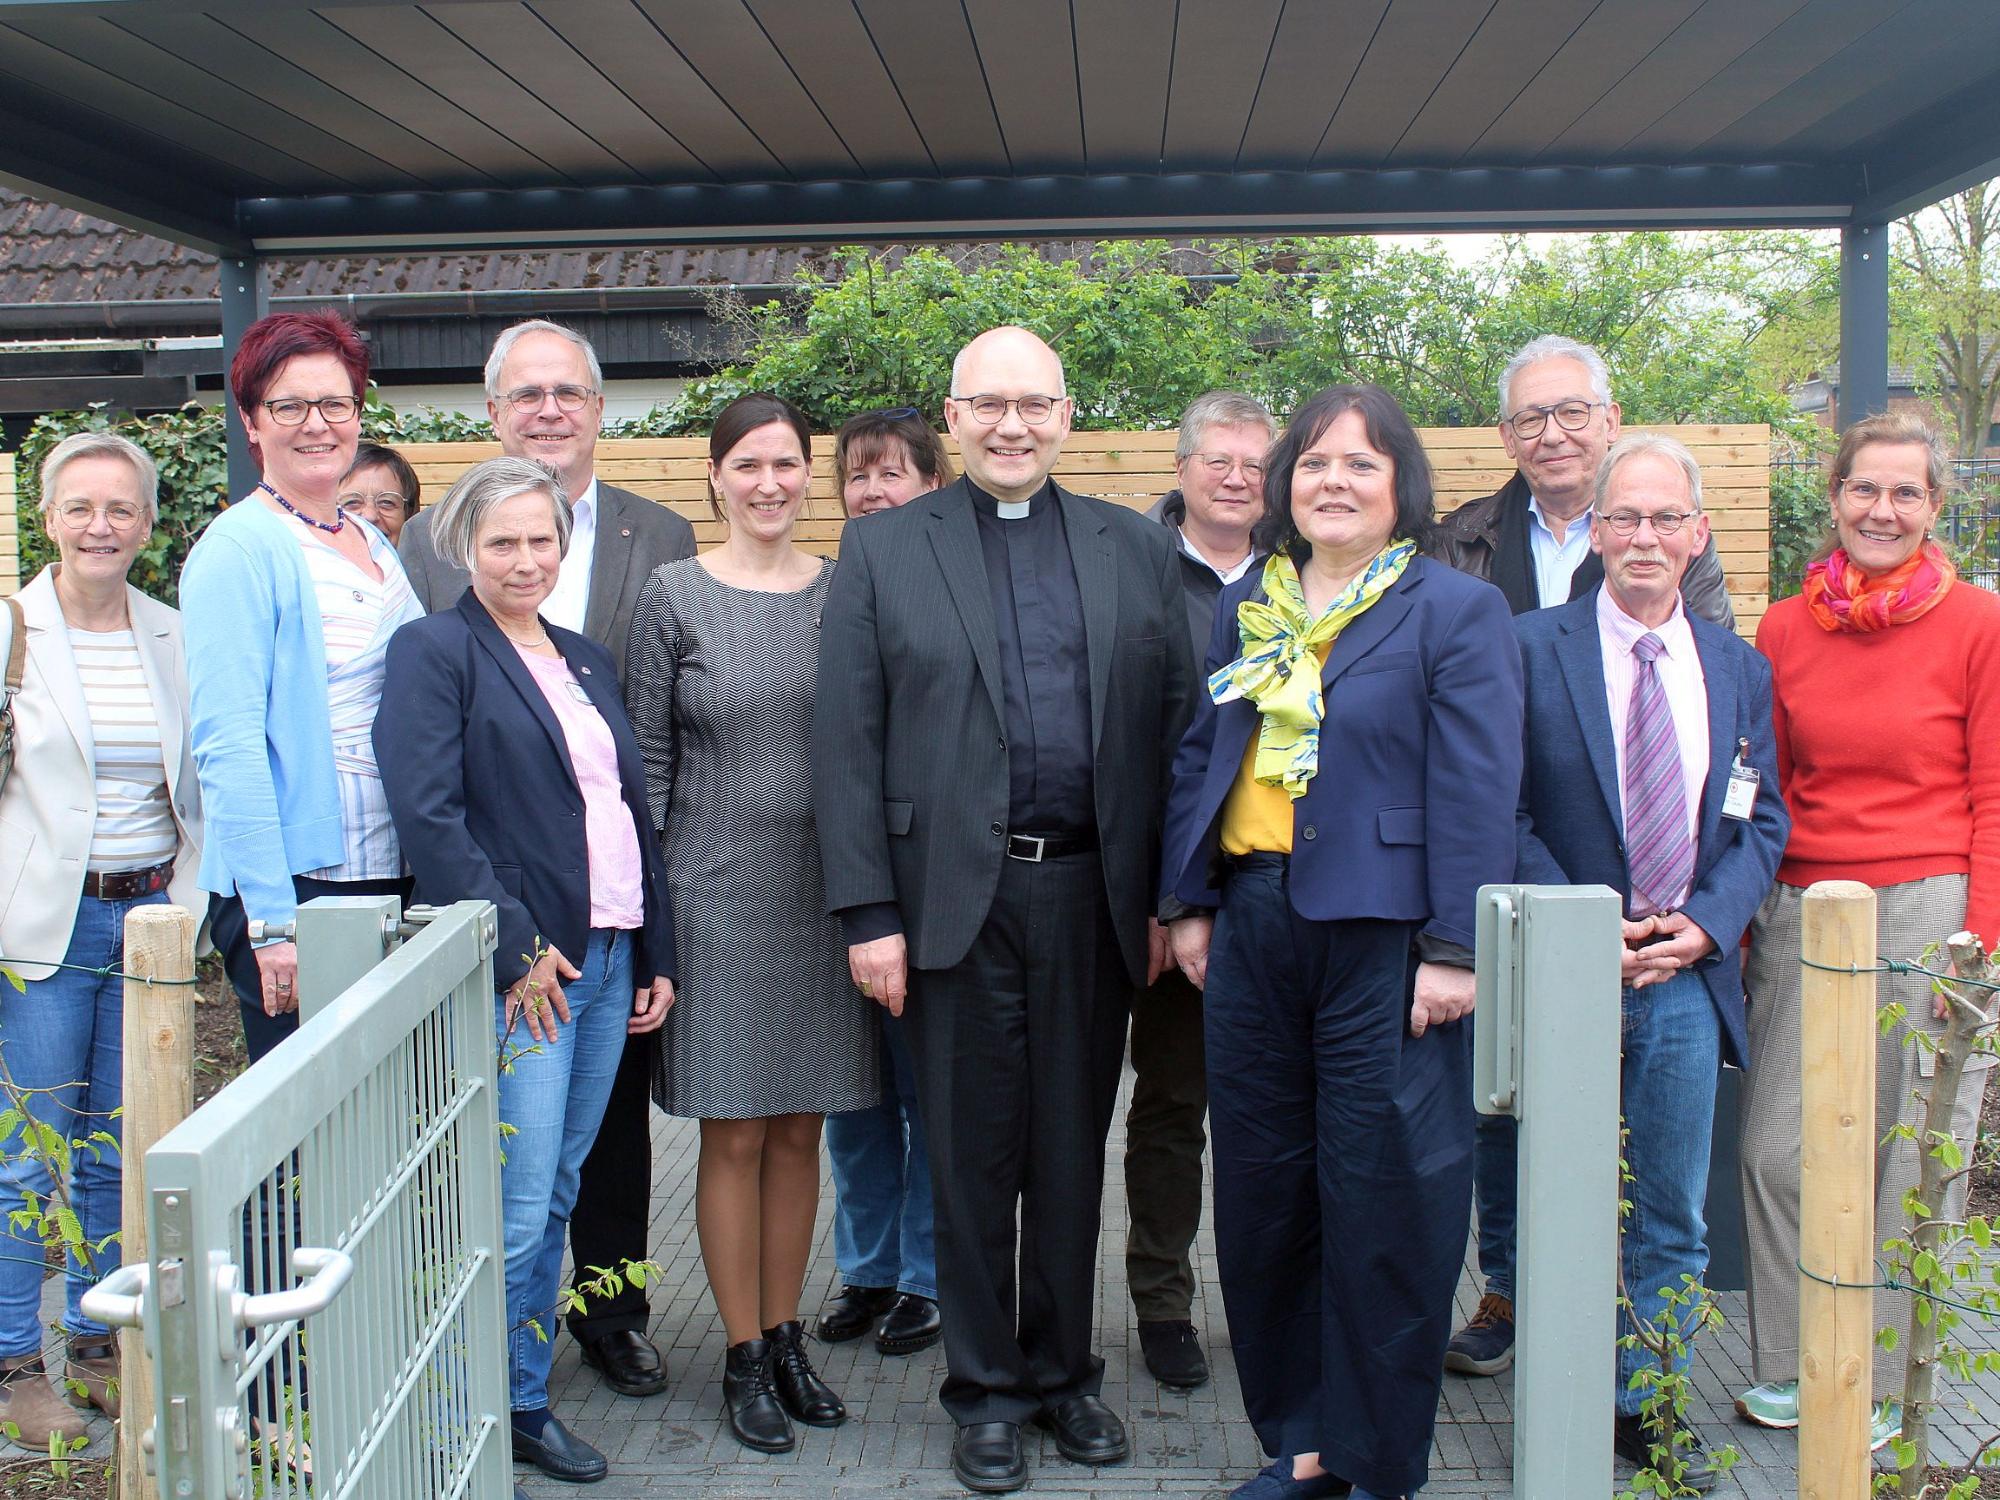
{"x": 1886, "y": 692}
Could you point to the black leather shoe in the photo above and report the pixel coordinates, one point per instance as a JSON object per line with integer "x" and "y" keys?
{"x": 913, "y": 1324}
{"x": 750, "y": 1399}
{"x": 1087, "y": 1431}
{"x": 1173, "y": 1354}
{"x": 1633, "y": 1441}
{"x": 852, "y": 1312}
{"x": 560, "y": 1454}
{"x": 987, "y": 1457}
{"x": 629, "y": 1360}
{"x": 808, "y": 1398}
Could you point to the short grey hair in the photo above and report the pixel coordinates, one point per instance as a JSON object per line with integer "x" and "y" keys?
{"x": 1220, "y": 409}
{"x": 494, "y": 481}
{"x": 102, "y": 445}
{"x": 1554, "y": 346}
{"x": 504, "y": 346}
{"x": 1639, "y": 445}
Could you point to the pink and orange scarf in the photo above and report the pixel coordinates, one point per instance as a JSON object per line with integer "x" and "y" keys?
{"x": 1842, "y": 597}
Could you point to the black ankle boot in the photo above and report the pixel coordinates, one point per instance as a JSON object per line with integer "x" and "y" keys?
{"x": 751, "y": 1400}
{"x": 808, "y": 1398}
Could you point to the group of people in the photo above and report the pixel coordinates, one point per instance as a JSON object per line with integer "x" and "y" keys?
{"x": 907, "y": 850}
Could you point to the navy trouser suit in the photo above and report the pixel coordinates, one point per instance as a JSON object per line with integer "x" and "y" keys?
{"x": 1343, "y": 1145}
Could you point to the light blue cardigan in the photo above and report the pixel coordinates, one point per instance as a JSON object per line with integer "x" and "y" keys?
{"x": 263, "y": 739}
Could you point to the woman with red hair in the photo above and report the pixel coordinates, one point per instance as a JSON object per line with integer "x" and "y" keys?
{"x": 287, "y": 607}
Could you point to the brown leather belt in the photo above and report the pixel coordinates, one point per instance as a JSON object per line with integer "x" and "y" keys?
{"x": 127, "y": 885}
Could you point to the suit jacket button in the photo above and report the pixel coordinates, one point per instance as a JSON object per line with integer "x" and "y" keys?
{"x": 998, "y": 829}
{"x": 1308, "y": 832}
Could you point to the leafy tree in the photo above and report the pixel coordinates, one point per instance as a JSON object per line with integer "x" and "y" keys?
{"x": 1949, "y": 259}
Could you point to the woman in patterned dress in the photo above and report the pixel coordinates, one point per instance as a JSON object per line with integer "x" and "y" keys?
{"x": 288, "y": 604}
{"x": 768, "y": 1035}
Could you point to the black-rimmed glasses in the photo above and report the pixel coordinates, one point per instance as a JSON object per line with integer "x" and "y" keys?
{"x": 290, "y": 411}
{"x": 1571, "y": 416}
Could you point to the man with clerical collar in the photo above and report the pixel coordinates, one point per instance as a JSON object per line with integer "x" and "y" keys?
{"x": 1005, "y": 675}
{"x": 1219, "y": 463}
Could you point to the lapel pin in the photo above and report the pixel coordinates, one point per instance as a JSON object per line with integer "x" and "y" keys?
{"x": 584, "y": 670}
{"x": 625, "y": 531}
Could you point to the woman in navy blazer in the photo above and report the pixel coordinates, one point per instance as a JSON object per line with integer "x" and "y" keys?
{"x": 513, "y": 777}
{"x": 1332, "y": 930}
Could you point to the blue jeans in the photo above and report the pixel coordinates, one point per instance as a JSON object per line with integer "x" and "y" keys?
{"x": 1672, "y": 1043}
{"x": 882, "y": 1219}
{"x": 65, "y": 1035}
{"x": 552, "y": 1094}
{"x": 1496, "y": 1185}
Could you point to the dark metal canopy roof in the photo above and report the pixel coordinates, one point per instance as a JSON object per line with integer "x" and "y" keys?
{"x": 289, "y": 127}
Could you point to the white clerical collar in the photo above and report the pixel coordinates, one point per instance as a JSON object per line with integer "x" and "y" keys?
{"x": 1012, "y": 510}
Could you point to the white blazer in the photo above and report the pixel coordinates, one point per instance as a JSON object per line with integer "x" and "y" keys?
{"x": 48, "y": 808}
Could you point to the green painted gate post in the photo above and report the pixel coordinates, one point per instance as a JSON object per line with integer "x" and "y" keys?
{"x": 1546, "y": 1051}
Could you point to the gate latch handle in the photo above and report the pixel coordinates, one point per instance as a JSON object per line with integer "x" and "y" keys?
{"x": 119, "y": 1300}
{"x": 326, "y": 1272}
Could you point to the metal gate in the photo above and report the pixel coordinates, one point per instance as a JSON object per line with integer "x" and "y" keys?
{"x": 323, "y": 1307}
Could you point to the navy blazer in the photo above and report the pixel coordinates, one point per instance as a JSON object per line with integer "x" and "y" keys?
{"x": 1419, "y": 754}
{"x": 485, "y": 800}
{"x": 1571, "y": 829}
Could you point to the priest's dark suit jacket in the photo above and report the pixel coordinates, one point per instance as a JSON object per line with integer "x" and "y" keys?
{"x": 910, "y": 783}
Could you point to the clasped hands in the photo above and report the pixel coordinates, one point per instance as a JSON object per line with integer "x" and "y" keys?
{"x": 1659, "y": 947}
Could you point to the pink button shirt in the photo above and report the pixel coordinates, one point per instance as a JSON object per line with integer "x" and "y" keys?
{"x": 1679, "y": 668}
{"x": 617, "y": 891}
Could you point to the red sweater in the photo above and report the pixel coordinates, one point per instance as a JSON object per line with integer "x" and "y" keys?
{"x": 1889, "y": 748}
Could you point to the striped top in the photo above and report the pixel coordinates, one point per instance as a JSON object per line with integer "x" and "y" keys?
{"x": 135, "y": 821}
{"x": 358, "y": 614}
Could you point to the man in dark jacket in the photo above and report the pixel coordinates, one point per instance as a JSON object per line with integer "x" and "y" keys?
{"x": 1531, "y": 539}
{"x": 1219, "y": 461}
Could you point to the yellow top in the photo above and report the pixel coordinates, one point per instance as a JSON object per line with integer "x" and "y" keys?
{"x": 1257, "y": 819}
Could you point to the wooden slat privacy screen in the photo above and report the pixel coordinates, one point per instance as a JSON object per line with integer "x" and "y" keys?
{"x": 1134, "y": 468}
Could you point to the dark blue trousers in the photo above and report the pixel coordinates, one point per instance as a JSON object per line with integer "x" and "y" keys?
{"x": 1343, "y": 1180}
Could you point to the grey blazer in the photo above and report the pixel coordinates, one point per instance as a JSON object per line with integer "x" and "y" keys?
{"x": 909, "y": 759}
{"x": 634, "y": 536}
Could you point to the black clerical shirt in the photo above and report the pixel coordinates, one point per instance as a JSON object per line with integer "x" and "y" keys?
{"x": 1044, "y": 664}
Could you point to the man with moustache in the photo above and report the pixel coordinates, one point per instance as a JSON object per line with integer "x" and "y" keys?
{"x": 1651, "y": 768}
{"x": 1219, "y": 461}
{"x": 1531, "y": 538}
{"x": 545, "y": 395}
{"x": 989, "y": 763}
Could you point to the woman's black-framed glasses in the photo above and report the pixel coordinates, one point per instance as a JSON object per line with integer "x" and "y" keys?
{"x": 290, "y": 411}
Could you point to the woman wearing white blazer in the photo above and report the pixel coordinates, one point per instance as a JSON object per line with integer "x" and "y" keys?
{"x": 100, "y": 814}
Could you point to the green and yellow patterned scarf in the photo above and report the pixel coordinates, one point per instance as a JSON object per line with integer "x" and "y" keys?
{"x": 1279, "y": 670}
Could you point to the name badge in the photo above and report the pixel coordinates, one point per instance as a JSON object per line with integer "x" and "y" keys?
{"x": 1741, "y": 798}
{"x": 576, "y": 691}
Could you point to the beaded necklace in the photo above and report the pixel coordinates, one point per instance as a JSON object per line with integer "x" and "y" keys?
{"x": 332, "y": 528}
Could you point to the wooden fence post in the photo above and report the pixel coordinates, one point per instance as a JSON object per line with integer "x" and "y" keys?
{"x": 159, "y": 1094}
{"x": 1837, "y": 1190}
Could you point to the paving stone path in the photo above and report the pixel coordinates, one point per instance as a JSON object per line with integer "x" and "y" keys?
{"x": 674, "y": 1446}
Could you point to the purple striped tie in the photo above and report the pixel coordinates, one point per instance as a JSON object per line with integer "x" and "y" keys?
{"x": 1658, "y": 850}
